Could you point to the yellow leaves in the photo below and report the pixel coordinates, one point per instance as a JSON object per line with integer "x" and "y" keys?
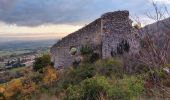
{"x": 28, "y": 87}
{"x": 23, "y": 86}
{"x": 2, "y": 90}
{"x": 13, "y": 87}
{"x": 51, "y": 75}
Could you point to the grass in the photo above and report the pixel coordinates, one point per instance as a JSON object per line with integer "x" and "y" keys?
{"x": 17, "y": 52}
{"x": 14, "y": 70}
{"x": 1, "y": 65}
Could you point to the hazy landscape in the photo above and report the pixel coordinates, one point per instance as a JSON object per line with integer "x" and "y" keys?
{"x": 84, "y": 49}
{"x": 20, "y": 47}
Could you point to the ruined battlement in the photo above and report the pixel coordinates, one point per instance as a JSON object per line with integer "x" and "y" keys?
{"x": 73, "y": 38}
{"x": 115, "y": 15}
{"x": 103, "y": 35}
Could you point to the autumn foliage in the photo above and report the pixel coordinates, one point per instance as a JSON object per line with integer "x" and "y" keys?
{"x": 25, "y": 86}
{"x": 51, "y": 76}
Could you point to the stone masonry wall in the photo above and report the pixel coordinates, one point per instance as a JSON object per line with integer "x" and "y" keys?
{"x": 90, "y": 34}
{"x": 116, "y": 26}
{"x": 103, "y": 35}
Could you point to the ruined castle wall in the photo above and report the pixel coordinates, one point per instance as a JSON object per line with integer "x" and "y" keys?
{"x": 90, "y": 34}
{"x": 117, "y": 26}
{"x": 104, "y": 35}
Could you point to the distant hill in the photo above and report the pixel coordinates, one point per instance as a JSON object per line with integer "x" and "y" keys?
{"x": 19, "y": 45}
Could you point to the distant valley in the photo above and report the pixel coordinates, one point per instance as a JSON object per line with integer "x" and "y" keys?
{"x": 20, "y": 47}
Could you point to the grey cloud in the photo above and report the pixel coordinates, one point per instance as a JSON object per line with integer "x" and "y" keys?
{"x": 38, "y": 12}
{"x": 6, "y": 4}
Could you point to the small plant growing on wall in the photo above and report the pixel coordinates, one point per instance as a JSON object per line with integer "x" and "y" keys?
{"x": 85, "y": 50}
{"x": 73, "y": 50}
{"x": 122, "y": 47}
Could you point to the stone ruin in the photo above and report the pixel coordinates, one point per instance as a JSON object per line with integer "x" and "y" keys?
{"x": 104, "y": 35}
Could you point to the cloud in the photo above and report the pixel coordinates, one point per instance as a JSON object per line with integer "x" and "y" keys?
{"x": 162, "y": 1}
{"x": 6, "y": 4}
{"x": 74, "y": 12}
{"x": 37, "y": 12}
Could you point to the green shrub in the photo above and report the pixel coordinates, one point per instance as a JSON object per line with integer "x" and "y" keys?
{"x": 95, "y": 88}
{"x": 118, "y": 93}
{"x": 36, "y": 77}
{"x": 83, "y": 72}
{"x": 161, "y": 74}
{"x": 141, "y": 68}
{"x": 90, "y": 89}
{"x": 73, "y": 92}
{"x": 110, "y": 67}
{"x": 134, "y": 85}
{"x": 85, "y": 50}
{"x": 41, "y": 62}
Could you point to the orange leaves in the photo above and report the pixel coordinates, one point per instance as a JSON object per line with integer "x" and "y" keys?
{"x": 24, "y": 87}
{"x": 18, "y": 86}
{"x": 13, "y": 88}
{"x": 28, "y": 87}
{"x": 51, "y": 76}
{"x": 2, "y": 90}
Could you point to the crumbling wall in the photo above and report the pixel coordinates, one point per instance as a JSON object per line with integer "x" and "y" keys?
{"x": 104, "y": 35}
{"x": 90, "y": 34}
{"x": 116, "y": 27}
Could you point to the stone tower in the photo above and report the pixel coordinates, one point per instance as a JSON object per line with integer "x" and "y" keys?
{"x": 116, "y": 27}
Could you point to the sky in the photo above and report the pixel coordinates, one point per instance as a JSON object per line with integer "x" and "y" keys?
{"x": 53, "y": 19}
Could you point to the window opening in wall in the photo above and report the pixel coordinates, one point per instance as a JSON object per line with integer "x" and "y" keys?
{"x": 122, "y": 47}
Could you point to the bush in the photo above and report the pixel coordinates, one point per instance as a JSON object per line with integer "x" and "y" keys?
{"x": 134, "y": 85}
{"x": 50, "y": 76}
{"x": 28, "y": 88}
{"x": 110, "y": 67}
{"x": 95, "y": 88}
{"x": 41, "y": 62}
{"x": 99, "y": 88}
{"x": 19, "y": 89}
{"x": 2, "y": 90}
{"x": 118, "y": 93}
{"x": 85, "y": 50}
{"x": 83, "y": 72}
{"x": 36, "y": 77}
{"x": 14, "y": 87}
{"x": 73, "y": 92}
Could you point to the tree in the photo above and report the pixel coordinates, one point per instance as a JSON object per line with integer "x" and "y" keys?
{"x": 155, "y": 48}
{"x": 41, "y": 62}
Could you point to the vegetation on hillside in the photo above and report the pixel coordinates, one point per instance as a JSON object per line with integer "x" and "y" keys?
{"x": 101, "y": 80}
